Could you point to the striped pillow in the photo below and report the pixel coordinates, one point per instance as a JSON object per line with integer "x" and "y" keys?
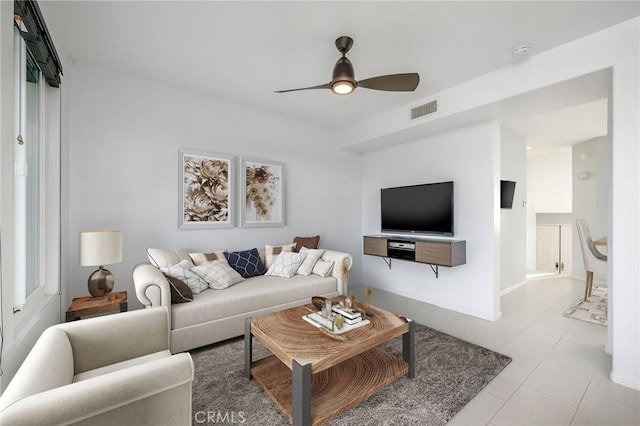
{"x": 323, "y": 268}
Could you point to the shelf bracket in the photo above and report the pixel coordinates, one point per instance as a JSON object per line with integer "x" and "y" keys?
{"x": 387, "y": 260}
{"x": 435, "y": 270}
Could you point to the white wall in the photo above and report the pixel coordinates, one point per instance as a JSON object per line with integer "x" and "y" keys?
{"x": 624, "y": 242}
{"x": 470, "y": 157}
{"x": 513, "y": 222}
{"x": 591, "y": 196}
{"x": 122, "y": 160}
{"x": 549, "y": 180}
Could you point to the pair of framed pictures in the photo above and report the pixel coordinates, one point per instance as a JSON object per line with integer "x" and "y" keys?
{"x": 207, "y": 188}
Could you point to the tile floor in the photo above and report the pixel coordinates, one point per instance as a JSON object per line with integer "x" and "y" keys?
{"x": 559, "y": 374}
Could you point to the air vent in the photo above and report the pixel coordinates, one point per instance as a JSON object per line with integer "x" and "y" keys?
{"x": 426, "y": 109}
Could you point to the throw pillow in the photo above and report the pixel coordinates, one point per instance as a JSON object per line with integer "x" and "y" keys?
{"x": 162, "y": 258}
{"x": 323, "y": 268}
{"x": 200, "y": 258}
{"x": 218, "y": 274}
{"x": 313, "y": 255}
{"x": 247, "y": 263}
{"x": 182, "y": 271}
{"x": 271, "y": 252}
{"x": 180, "y": 292}
{"x": 286, "y": 264}
{"x": 308, "y": 242}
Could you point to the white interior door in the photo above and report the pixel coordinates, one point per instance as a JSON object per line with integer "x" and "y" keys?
{"x": 547, "y": 248}
{"x": 566, "y": 254}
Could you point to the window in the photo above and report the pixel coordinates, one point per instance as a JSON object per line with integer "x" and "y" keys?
{"x": 34, "y": 156}
{"x": 35, "y": 160}
{"x": 28, "y": 167}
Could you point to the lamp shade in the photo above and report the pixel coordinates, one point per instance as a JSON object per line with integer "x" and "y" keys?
{"x": 99, "y": 248}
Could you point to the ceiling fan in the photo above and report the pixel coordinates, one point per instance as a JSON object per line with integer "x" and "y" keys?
{"x": 343, "y": 81}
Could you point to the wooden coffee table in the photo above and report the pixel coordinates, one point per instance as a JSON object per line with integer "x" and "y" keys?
{"x": 312, "y": 378}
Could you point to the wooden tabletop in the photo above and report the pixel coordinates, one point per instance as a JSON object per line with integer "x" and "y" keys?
{"x": 83, "y": 306}
{"x": 290, "y": 337}
{"x": 600, "y": 241}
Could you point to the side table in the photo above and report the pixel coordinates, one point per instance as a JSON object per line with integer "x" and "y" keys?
{"x": 83, "y": 306}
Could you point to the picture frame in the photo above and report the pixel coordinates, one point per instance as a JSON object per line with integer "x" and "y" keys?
{"x": 262, "y": 193}
{"x": 206, "y": 189}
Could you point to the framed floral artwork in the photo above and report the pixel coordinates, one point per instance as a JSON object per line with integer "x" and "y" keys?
{"x": 262, "y": 198}
{"x": 206, "y": 190}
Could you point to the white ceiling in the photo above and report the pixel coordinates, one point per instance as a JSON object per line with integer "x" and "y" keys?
{"x": 563, "y": 127}
{"x": 242, "y": 51}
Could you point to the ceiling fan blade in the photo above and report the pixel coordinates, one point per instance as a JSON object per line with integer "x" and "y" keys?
{"x": 392, "y": 82}
{"x": 322, "y": 86}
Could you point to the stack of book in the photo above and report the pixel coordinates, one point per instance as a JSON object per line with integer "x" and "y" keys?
{"x": 352, "y": 319}
{"x": 351, "y": 316}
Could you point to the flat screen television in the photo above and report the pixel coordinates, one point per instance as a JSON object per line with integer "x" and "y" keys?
{"x": 507, "y": 190}
{"x": 425, "y": 209}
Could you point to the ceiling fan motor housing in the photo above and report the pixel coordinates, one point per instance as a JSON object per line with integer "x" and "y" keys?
{"x": 343, "y": 71}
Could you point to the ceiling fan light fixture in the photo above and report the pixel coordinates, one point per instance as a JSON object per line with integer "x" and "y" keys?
{"x": 343, "y": 81}
{"x": 342, "y": 87}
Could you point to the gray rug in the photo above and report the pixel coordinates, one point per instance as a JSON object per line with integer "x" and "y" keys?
{"x": 594, "y": 309}
{"x": 449, "y": 373}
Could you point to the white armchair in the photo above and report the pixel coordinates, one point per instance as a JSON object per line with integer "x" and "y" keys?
{"x": 108, "y": 370}
{"x": 594, "y": 261}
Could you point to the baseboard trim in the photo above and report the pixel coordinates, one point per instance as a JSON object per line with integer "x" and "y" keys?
{"x": 513, "y": 287}
{"x": 598, "y": 283}
{"x": 445, "y": 305}
{"x": 624, "y": 381}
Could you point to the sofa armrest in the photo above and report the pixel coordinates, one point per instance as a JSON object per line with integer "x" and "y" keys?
{"x": 103, "y": 399}
{"x": 342, "y": 265}
{"x": 152, "y": 287}
{"x": 36, "y": 374}
{"x": 106, "y": 340}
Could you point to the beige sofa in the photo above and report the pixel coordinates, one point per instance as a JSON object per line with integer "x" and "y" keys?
{"x": 216, "y": 315}
{"x": 110, "y": 370}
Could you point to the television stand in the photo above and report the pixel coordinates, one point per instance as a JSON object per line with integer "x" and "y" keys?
{"x": 433, "y": 252}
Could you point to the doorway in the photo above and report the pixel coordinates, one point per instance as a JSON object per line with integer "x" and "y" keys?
{"x": 554, "y": 249}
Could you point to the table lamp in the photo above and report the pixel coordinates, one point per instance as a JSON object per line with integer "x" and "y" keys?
{"x": 98, "y": 248}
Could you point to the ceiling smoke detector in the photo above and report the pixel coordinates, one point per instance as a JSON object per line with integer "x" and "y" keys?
{"x": 521, "y": 50}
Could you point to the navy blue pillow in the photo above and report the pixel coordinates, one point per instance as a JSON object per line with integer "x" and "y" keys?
{"x": 247, "y": 263}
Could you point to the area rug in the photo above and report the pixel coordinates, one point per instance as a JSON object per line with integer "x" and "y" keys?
{"x": 449, "y": 373}
{"x": 593, "y": 309}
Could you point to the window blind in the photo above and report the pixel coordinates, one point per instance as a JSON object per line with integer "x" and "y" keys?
{"x": 30, "y": 22}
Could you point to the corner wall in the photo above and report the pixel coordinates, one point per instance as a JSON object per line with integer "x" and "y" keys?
{"x": 470, "y": 157}
{"x": 513, "y": 222}
{"x": 122, "y": 162}
{"x": 616, "y": 49}
{"x": 591, "y": 195}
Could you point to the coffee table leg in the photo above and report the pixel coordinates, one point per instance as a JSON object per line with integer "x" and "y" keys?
{"x": 409, "y": 348}
{"x": 301, "y": 394}
{"x": 248, "y": 341}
